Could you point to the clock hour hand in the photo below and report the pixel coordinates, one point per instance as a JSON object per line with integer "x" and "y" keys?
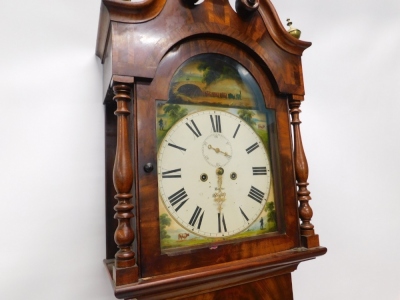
{"x": 217, "y": 150}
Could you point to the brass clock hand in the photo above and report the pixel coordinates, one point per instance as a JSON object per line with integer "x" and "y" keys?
{"x": 217, "y": 150}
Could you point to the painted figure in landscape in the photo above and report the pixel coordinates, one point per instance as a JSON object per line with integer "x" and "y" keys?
{"x": 161, "y": 124}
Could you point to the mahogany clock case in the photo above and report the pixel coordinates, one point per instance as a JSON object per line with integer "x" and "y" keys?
{"x": 146, "y": 94}
{"x": 143, "y": 49}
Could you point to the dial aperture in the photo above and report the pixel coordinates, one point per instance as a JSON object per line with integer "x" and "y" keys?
{"x": 213, "y": 174}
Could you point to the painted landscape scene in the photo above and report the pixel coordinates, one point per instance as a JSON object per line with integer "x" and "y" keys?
{"x": 173, "y": 237}
{"x": 213, "y": 79}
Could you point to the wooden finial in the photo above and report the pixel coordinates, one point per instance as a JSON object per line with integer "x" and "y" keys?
{"x": 246, "y": 8}
{"x": 190, "y": 2}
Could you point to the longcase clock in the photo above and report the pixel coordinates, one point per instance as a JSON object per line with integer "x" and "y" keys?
{"x": 206, "y": 176}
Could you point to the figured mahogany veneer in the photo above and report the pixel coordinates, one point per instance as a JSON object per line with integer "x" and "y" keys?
{"x": 142, "y": 44}
{"x": 211, "y": 282}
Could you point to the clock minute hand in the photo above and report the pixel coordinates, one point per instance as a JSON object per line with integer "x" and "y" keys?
{"x": 217, "y": 150}
{"x": 225, "y": 153}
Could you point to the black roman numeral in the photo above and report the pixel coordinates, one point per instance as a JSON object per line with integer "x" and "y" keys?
{"x": 259, "y": 170}
{"x": 177, "y": 147}
{"x": 172, "y": 174}
{"x": 236, "y": 131}
{"x": 216, "y": 125}
{"x": 256, "y": 194}
{"x": 177, "y": 197}
{"x": 243, "y": 214}
{"x": 195, "y": 216}
{"x": 252, "y": 148}
{"x": 195, "y": 131}
{"x": 221, "y": 223}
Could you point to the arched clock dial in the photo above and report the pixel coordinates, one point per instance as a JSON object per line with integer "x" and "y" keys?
{"x": 213, "y": 173}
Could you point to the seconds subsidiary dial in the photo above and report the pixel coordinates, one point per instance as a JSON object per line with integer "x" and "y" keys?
{"x": 213, "y": 173}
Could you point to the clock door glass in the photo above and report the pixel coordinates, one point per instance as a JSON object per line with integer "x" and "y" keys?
{"x": 215, "y": 176}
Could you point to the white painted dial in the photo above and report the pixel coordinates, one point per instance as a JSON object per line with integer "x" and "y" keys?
{"x": 213, "y": 173}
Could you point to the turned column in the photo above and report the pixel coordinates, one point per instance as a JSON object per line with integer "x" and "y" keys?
{"x": 125, "y": 268}
{"x": 308, "y": 237}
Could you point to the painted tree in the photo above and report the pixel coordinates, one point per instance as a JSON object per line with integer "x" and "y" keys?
{"x": 215, "y": 70}
{"x": 165, "y": 221}
{"x": 175, "y": 111}
{"x": 247, "y": 116}
{"x": 271, "y": 215}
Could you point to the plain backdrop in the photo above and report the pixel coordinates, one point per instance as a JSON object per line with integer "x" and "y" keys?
{"x": 52, "y": 231}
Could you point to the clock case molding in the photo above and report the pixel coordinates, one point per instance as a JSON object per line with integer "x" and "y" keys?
{"x": 141, "y": 44}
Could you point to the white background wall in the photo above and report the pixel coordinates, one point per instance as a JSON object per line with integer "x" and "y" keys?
{"x": 52, "y": 149}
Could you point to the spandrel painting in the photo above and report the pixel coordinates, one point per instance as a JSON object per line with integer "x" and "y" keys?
{"x": 206, "y": 84}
